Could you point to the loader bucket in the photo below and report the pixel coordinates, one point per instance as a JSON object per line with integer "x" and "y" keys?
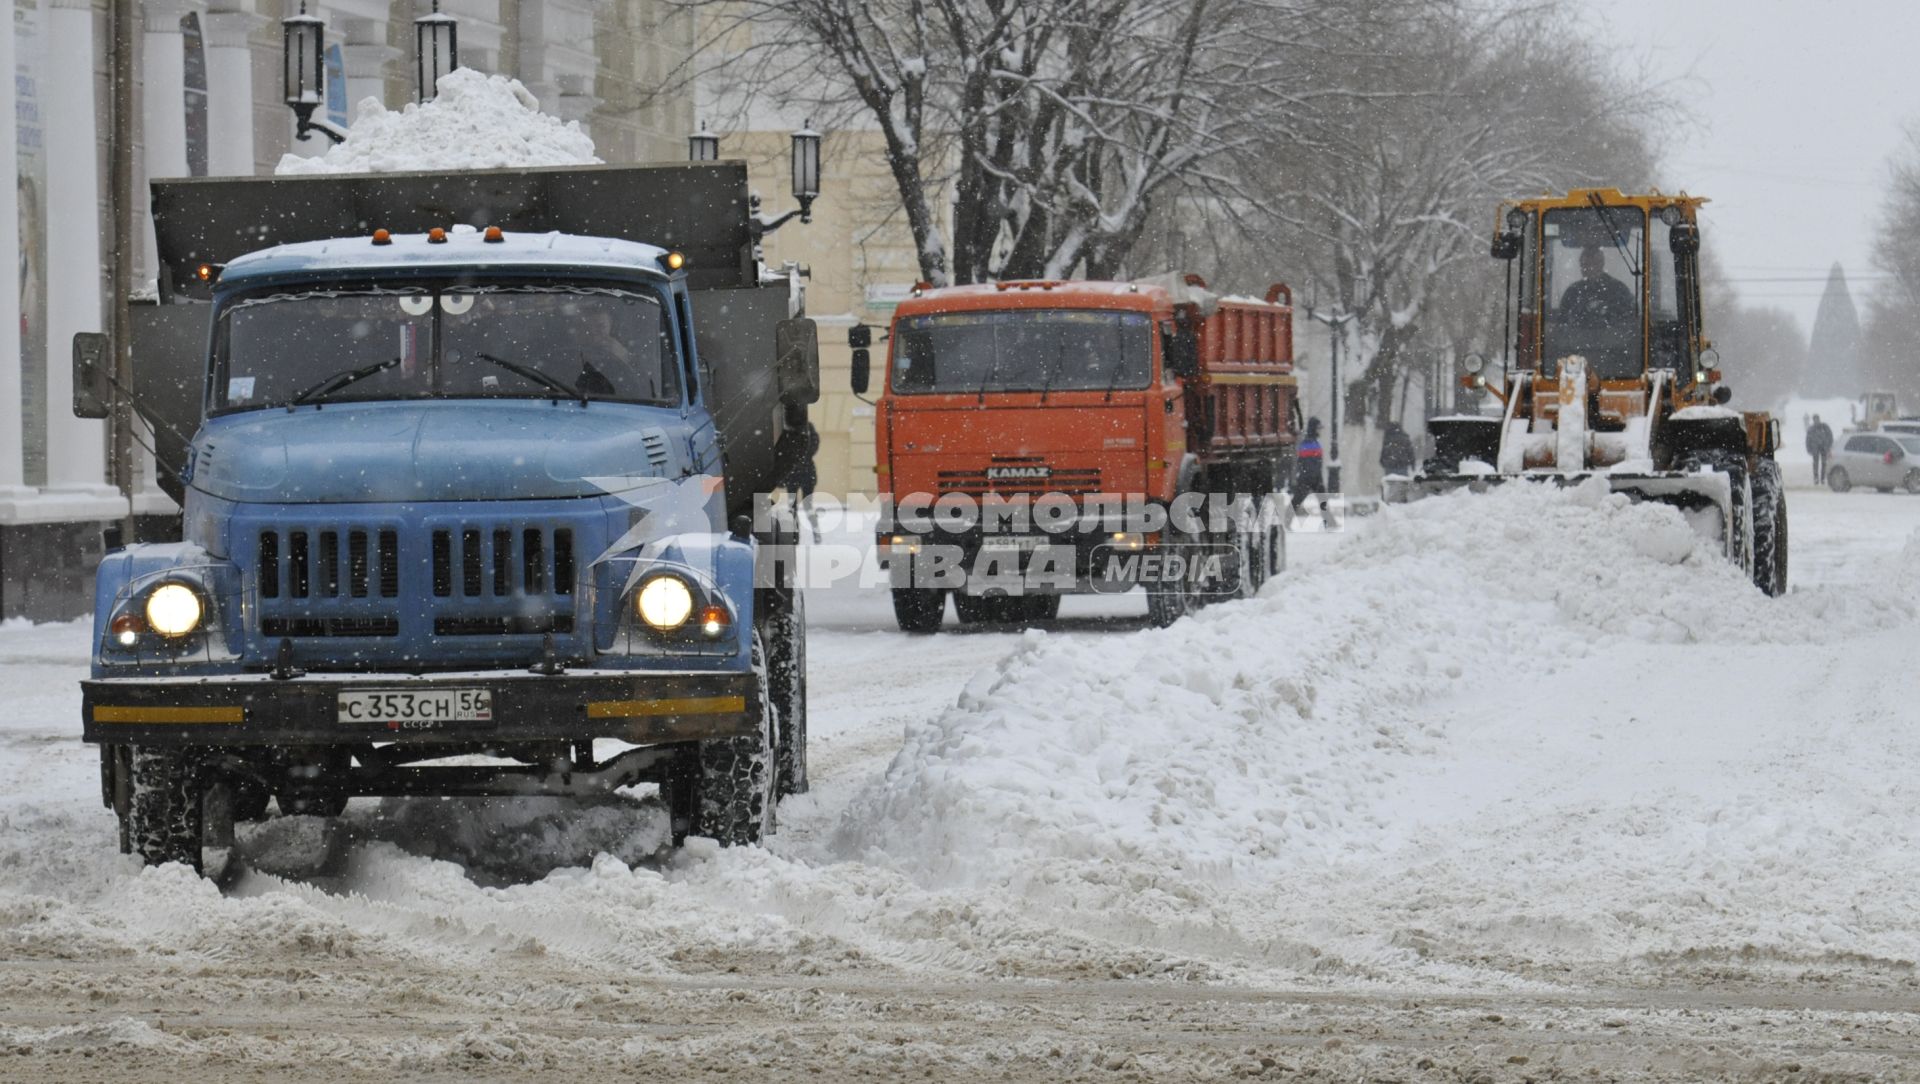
{"x": 1706, "y": 498}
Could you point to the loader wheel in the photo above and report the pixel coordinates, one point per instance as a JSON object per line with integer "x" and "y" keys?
{"x": 1740, "y": 533}
{"x": 737, "y": 795}
{"x": 179, "y": 813}
{"x": 1837, "y": 480}
{"x": 919, "y": 609}
{"x": 1769, "y": 529}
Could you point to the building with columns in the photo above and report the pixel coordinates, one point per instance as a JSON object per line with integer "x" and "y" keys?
{"x": 208, "y": 103}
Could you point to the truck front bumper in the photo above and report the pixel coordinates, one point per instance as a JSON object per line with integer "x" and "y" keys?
{"x": 641, "y": 707}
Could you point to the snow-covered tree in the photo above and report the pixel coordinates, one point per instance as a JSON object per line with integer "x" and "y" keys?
{"x": 1053, "y": 124}
{"x": 1892, "y": 332}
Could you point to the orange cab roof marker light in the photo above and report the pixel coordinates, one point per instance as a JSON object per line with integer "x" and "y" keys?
{"x": 494, "y": 235}
{"x": 436, "y": 236}
{"x": 382, "y": 237}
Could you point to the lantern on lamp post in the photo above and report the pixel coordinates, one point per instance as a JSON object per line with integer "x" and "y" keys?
{"x": 436, "y": 50}
{"x": 806, "y": 169}
{"x": 303, "y": 72}
{"x": 703, "y": 146}
{"x": 806, "y": 184}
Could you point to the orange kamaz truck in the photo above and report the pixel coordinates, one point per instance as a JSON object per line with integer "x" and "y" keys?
{"x": 1039, "y": 438}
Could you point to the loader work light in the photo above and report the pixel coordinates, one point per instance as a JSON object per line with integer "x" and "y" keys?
{"x": 665, "y": 602}
{"x": 174, "y": 610}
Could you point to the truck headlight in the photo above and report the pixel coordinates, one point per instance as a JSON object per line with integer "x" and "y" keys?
{"x": 174, "y": 610}
{"x": 665, "y": 602}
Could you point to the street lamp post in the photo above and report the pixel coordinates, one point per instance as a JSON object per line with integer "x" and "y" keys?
{"x": 436, "y": 51}
{"x": 1334, "y": 322}
{"x": 303, "y": 73}
{"x": 703, "y": 146}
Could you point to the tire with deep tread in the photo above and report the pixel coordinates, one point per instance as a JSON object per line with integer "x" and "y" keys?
{"x": 1769, "y": 529}
{"x": 737, "y": 793}
{"x": 1837, "y": 480}
{"x": 787, "y": 675}
{"x": 1742, "y": 539}
{"x": 919, "y": 609}
{"x": 1040, "y": 608}
{"x": 164, "y": 816}
{"x": 1249, "y": 547}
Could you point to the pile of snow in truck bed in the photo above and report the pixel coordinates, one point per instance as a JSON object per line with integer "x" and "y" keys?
{"x": 475, "y": 121}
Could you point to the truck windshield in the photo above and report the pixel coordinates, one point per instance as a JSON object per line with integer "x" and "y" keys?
{"x": 1022, "y": 350}
{"x": 444, "y": 342}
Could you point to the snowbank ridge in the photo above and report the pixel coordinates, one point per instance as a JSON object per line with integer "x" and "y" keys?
{"x": 1235, "y": 746}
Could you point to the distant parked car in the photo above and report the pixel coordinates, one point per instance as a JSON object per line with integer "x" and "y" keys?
{"x": 1879, "y": 460}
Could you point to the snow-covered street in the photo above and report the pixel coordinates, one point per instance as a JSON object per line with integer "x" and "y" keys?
{"x": 1517, "y": 787}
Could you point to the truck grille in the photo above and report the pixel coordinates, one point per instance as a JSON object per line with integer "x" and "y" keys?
{"x": 1057, "y": 480}
{"x": 502, "y": 561}
{"x": 307, "y": 564}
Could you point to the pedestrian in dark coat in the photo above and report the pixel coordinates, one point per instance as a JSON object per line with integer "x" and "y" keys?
{"x": 1820, "y": 447}
{"x": 1310, "y": 472}
{"x": 1396, "y": 451}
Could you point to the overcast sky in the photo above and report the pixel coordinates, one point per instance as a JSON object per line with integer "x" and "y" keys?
{"x": 1797, "y": 106}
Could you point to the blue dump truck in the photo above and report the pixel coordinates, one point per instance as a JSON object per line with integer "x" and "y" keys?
{"x": 468, "y": 467}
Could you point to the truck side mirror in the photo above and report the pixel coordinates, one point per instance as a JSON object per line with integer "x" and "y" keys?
{"x": 1684, "y": 239}
{"x": 862, "y": 361}
{"x": 797, "y": 348}
{"x": 860, "y": 336}
{"x": 1182, "y": 350}
{"x": 1506, "y": 245}
{"x": 92, "y": 375}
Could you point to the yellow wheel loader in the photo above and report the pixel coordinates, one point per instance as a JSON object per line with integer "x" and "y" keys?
{"x": 1608, "y": 375}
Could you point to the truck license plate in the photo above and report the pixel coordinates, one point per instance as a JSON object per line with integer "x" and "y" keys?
{"x": 1022, "y": 543}
{"x": 410, "y": 709}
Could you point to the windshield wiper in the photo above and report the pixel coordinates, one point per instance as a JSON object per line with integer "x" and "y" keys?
{"x": 1047, "y": 384}
{"x": 1119, "y": 369}
{"x": 1619, "y": 239}
{"x": 535, "y": 375}
{"x": 340, "y": 380}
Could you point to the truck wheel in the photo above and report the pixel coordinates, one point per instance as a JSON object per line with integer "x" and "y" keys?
{"x": 737, "y": 797}
{"x": 1274, "y": 515}
{"x": 1042, "y": 607}
{"x": 1769, "y": 529}
{"x": 177, "y": 813}
{"x": 1249, "y": 551}
{"x": 787, "y": 674}
{"x": 919, "y": 609}
{"x": 1837, "y": 480}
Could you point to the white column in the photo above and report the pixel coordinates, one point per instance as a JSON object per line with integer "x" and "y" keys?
{"x": 76, "y": 447}
{"x": 163, "y": 88}
{"x": 12, "y": 428}
{"x": 229, "y": 91}
{"x": 163, "y": 137}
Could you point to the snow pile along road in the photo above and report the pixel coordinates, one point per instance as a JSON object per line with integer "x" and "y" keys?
{"x": 475, "y": 121}
{"x": 1533, "y": 722}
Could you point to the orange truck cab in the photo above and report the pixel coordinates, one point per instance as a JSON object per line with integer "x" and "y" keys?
{"x": 1120, "y": 401}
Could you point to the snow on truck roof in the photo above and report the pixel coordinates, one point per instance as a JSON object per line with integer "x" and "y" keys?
{"x": 464, "y": 247}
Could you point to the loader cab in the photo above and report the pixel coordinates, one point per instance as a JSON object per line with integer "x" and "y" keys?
{"x": 1607, "y": 277}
